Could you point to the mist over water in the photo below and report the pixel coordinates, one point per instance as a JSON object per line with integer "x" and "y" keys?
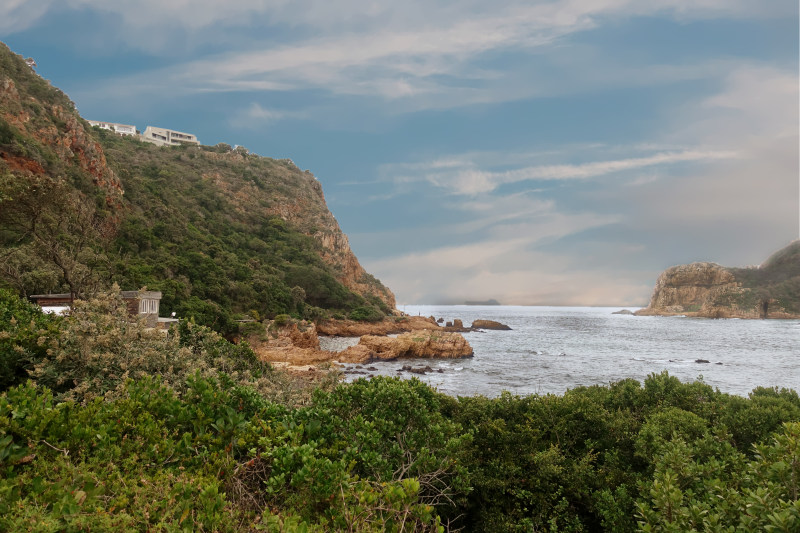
{"x": 553, "y": 349}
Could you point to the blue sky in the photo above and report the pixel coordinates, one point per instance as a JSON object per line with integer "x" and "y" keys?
{"x": 561, "y": 152}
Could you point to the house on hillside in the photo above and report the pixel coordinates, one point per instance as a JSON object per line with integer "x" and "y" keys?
{"x": 165, "y": 137}
{"x": 122, "y": 129}
{"x": 143, "y": 304}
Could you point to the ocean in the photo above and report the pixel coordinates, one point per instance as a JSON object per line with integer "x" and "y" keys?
{"x": 553, "y": 349}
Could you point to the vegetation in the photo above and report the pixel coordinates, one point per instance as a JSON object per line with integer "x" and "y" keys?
{"x": 120, "y": 429}
{"x": 222, "y": 233}
{"x": 776, "y": 282}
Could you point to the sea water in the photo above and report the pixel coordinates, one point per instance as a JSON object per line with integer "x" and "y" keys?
{"x": 553, "y": 349}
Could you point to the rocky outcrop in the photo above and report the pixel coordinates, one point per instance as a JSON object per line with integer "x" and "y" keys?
{"x": 293, "y": 343}
{"x": 713, "y": 291}
{"x": 423, "y": 343}
{"x": 55, "y": 139}
{"x": 298, "y": 344}
{"x": 489, "y": 324}
{"x": 688, "y": 288}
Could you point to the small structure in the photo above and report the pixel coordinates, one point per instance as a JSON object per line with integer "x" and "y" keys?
{"x": 122, "y": 129}
{"x": 143, "y": 304}
{"x": 165, "y": 137}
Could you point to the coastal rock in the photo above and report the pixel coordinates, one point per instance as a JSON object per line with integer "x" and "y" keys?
{"x": 293, "y": 343}
{"x": 387, "y": 326}
{"x": 489, "y": 324}
{"x": 713, "y": 291}
{"x": 456, "y": 326}
{"x": 686, "y": 288}
{"x": 421, "y": 343}
{"x": 623, "y": 312}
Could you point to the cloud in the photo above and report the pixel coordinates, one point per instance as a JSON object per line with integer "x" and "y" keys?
{"x": 426, "y": 56}
{"x": 350, "y": 15}
{"x": 256, "y": 116}
{"x": 733, "y": 198}
{"x": 461, "y": 176}
{"x": 507, "y": 270}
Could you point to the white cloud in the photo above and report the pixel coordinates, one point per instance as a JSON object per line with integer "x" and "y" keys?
{"x": 461, "y": 176}
{"x": 507, "y": 270}
{"x": 734, "y": 202}
{"x": 257, "y": 116}
{"x": 420, "y": 53}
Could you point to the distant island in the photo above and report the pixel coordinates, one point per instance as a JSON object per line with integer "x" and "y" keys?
{"x": 491, "y": 301}
{"x": 771, "y": 290}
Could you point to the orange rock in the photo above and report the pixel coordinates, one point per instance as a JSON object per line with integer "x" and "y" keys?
{"x": 421, "y": 343}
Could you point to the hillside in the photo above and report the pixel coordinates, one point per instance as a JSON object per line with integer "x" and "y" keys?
{"x": 771, "y": 290}
{"x": 222, "y": 233}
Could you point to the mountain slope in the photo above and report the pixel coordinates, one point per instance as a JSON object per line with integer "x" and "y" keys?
{"x": 220, "y": 232}
{"x": 771, "y": 290}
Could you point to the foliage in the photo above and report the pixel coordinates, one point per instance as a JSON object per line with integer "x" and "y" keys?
{"x": 99, "y": 346}
{"x": 708, "y": 485}
{"x": 220, "y": 232}
{"x": 391, "y": 455}
{"x": 776, "y": 281}
{"x": 24, "y": 334}
{"x": 220, "y": 442}
{"x": 366, "y": 313}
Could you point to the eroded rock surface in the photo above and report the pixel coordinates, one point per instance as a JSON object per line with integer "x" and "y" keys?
{"x": 421, "y": 343}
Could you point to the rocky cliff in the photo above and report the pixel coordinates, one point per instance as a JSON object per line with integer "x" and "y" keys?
{"x": 771, "y": 290}
{"x": 223, "y": 233}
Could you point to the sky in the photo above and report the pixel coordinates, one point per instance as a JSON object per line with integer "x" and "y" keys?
{"x": 537, "y": 153}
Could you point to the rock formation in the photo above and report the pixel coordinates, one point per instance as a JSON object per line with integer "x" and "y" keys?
{"x": 713, "y": 291}
{"x": 422, "y": 343}
{"x": 297, "y": 343}
{"x": 489, "y": 324}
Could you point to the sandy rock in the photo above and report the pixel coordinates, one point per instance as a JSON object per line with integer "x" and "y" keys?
{"x": 421, "y": 343}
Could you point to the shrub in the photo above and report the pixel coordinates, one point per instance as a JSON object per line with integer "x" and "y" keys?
{"x": 366, "y": 314}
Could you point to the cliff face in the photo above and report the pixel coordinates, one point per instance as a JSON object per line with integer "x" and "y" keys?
{"x": 710, "y": 290}
{"x": 279, "y": 188}
{"x": 46, "y": 135}
{"x": 220, "y": 231}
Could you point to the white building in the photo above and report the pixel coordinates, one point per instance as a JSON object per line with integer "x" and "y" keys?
{"x": 122, "y": 129}
{"x": 165, "y": 137}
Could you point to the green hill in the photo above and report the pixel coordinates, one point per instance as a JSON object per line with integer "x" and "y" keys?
{"x": 222, "y": 233}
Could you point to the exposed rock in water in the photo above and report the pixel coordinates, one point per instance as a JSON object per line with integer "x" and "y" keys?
{"x": 423, "y": 343}
{"x": 702, "y": 361}
{"x": 623, "y": 312}
{"x": 416, "y": 369}
{"x": 489, "y": 324}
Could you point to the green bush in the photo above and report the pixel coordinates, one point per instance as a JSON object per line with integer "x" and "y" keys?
{"x": 366, "y": 314}
{"x": 25, "y": 335}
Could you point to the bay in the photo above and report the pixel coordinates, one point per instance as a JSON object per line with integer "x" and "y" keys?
{"x": 553, "y": 349}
